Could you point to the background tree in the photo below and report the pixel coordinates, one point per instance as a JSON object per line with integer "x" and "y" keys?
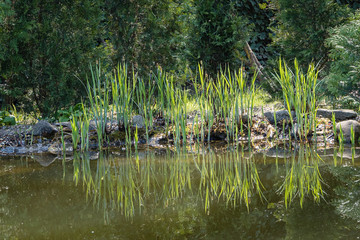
{"x": 354, "y": 4}
{"x": 145, "y": 33}
{"x": 47, "y": 47}
{"x": 343, "y": 80}
{"x": 302, "y": 27}
{"x": 259, "y": 13}
{"x": 218, "y": 35}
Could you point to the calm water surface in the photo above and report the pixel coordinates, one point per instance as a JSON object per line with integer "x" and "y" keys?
{"x": 204, "y": 193}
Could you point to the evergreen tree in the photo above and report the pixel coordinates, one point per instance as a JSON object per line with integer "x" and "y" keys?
{"x": 218, "y": 35}
{"x": 354, "y": 4}
{"x": 46, "y": 47}
{"x": 303, "y": 26}
{"x": 144, "y": 33}
{"x": 259, "y": 13}
{"x": 343, "y": 81}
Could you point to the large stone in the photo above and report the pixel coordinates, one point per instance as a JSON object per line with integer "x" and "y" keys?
{"x": 340, "y": 115}
{"x": 43, "y": 128}
{"x": 346, "y": 129}
{"x": 7, "y": 150}
{"x": 57, "y": 148}
{"x": 138, "y": 121}
{"x": 158, "y": 140}
{"x": 280, "y": 116}
{"x": 63, "y": 124}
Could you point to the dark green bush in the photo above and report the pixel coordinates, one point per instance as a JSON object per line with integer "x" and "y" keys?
{"x": 302, "y": 27}
{"x": 6, "y": 118}
{"x": 46, "y": 47}
{"x": 343, "y": 81}
{"x": 146, "y": 34}
{"x": 66, "y": 113}
{"x": 218, "y": 35}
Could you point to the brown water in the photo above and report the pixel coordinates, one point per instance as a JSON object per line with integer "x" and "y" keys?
{"x": 201, "y": 194}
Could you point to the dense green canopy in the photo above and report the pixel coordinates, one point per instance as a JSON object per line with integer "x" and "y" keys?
{"x": 47, "y": 47}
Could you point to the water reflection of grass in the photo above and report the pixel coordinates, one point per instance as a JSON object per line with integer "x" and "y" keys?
{"x": 302, "y": 176}
{"x": 144, "y": 181}
{"x": 231, "y": 177}
{"x": 126, "y": 186}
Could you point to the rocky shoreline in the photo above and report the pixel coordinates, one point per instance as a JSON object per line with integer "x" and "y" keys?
{"x": 44, "y": 137}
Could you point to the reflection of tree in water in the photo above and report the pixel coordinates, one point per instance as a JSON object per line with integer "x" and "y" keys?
{"x": 347, "y": 190}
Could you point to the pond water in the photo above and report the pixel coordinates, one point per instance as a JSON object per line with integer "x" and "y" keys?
{"x": 203, "y": 193}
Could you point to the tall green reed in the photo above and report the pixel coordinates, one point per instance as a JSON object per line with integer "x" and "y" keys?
{"x": 228, "y": 99}
{"x": 98, "y": 95}
{"x": 63, "y": 141}
{"x": 225, "y": 103}
{"x": 123, "y": 94}
{"x": 145, "y": 101}
{"x": 75, "y": 131}
{"x": 299, "y": 96}
{"x": 84, "y": 130}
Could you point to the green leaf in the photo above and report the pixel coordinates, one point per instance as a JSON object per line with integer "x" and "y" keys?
{"x": 9, "y": 120}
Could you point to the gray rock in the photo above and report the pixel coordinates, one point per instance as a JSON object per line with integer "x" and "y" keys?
{"x": 346, "y": 129}
{"x": 21, "y": 150}
{"x": 138, "y": 121}
{"x": 280, "y": 116}
{"x": 8, "y": 150}
{"x": 324, "y": 113}
{"x": 64, "y": 124}
{"x": 57, "y": 148}
{"x": 43, "y": 148}
{"x": 340, "y": 115}
{"x": 92, "y": 125}
{"x": 157, "y": 140}
{"x": 43, "y": 128}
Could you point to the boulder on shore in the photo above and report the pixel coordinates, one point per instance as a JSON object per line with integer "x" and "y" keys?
{"x": 340, "y": 115}
{"x": 138, "y": 121}
{"x": 346, "y": 129}
{"x": 280, "y": 116}
{"x": 43, "y": 128}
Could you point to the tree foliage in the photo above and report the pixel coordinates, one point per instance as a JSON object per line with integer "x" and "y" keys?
{"x": 343, "y": 80}
{"x": 145, "y": 33}
{"x": 259, "y": 13}
{"x": 354, "y": 4}
{"x": 303, "y": 27}
{"x": 46, "y": 47}
{"x": 218, "y": 34}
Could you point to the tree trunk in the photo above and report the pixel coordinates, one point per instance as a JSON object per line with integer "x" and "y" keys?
{"x": 254, "y": 62}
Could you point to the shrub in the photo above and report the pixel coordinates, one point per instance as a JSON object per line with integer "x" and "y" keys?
{"x": 302, "y": 27}
{"x": 6, "y": 118}
{"x": 45, "y": 47}
{"x": 343, "y": 81}
{"x": 218, "y": 35}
